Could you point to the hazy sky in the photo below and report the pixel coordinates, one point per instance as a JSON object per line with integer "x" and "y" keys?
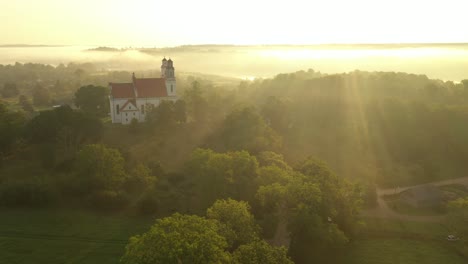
{"x": 177, "y": 22}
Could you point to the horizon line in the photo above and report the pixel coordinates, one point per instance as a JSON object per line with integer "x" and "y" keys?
{"x": 234, "y": 45}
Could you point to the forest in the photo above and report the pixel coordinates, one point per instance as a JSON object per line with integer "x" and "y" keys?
{"x": 275, "y": 170}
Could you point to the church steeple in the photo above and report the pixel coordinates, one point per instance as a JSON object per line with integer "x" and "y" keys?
{"x": 167, "y": 69}
{"x": 167, "y": 72}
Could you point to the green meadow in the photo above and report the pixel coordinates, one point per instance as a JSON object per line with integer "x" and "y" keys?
{"x": 65, "y": 236}
{"x": 72, "y": 237}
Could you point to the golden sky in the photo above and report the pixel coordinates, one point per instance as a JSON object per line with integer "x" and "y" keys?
{"x": 178, "y": 22}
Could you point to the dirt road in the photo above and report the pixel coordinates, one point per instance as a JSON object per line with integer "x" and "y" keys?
{"x": 383, "y": 211}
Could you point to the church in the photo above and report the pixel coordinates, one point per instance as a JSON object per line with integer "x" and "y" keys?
{"x": 134, "y": 99}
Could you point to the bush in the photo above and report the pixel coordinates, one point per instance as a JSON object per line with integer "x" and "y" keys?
{"x": 107, "y": 200}
{"x": 148, "y": 203}
{"x": 25, "y": 194}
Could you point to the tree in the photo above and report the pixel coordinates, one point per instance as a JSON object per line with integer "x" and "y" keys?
{"x": 11, "y": 129}
{"x": 46, "y": 126}
{"x": 162, "y": 117}
{"x": 180, "y": 112}
{"x": 238, "y": 224}
{"x": 269, "y": 158}
{"x": 25, "y": 104}
{"x": 197, "y": 104}
{"x": 58, "y": 88}
{"x": 80, "y": 73}
{"x": 99, "y": 168}
{"x": 341, "y": 200}
{"x": 321, "y": 211}
{"x": 277, "y": 113}
{"x": 244, "y": 129}
{"x": 41, "y": 96}
{"x": 221, "y": 175}
{"x": 9, "y": 90}
{"x": 178, "y": 239}
{"x": 140, "y": 178}
{"x": 92, "y": 99}
{"x": 260, "y": 252}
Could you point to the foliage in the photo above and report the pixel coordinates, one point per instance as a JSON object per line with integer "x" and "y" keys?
{"x": 178, "y": 239}
{"x": 196, "y": 103}
{"x": 25, "y": 104}
{"x": 30, "y": 193}
{"x": 244, "y": 129}
{"x": 221, "y": 175}
{"x": 180, "y": 111}
{"x": 320, "y": 209}
{"x": 61, "y": 132}
{"x": 98, "y": 169}
{"x": 41, "y": 96}
{"x": 277, "y": 113}
{"x": 9, "y": 90}
{"x": 341, "y": 200}
{"x": 260, "y": 251}
{"x": 11, "y": 130}
{"x": 163, "y": 117}
{"x": 238, "y": 224}
{"x": 93, "y": 99}
{"x": 140, "y": 178}
{"x": 269, "y": 158}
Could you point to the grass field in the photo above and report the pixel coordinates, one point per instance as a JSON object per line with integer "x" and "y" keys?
{"x": 72, "y": 237}
{"x": 402, "y": 242}
{"x": 399, "y": 251}
{"x": 48, "y": 236}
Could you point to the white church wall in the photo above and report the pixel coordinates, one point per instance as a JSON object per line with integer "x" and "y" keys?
{"x": 117, "y": 117}
{"x": 128, "y": 116}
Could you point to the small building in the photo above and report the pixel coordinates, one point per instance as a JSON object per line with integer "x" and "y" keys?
{"x": 422, "y": 196}
{"x": 134, "y": 99}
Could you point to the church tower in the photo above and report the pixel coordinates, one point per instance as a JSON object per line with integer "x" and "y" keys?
{"x": 167, "y": 72}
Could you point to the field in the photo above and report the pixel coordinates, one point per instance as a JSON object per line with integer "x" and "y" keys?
{"x": 403, "y": 242}
{"x": 65, "y": 236}
{"x": 48, "y": 236}
{"x": 401, "y": 251}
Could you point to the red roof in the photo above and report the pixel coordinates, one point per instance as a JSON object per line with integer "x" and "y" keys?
{"x": 122, "y": 90}
{"x": 125, "y": 105}
{"x": 151, "y": 87}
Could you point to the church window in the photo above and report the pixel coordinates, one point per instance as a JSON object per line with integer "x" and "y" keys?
{"x": 172, "y": 88}
{"x": 118, "y": 109}
{"x": 143, "y": 109}
{"x": 126, "y": 114}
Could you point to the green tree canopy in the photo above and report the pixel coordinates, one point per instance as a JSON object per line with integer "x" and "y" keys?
{"x": 11, "y": 129}
{"x": 238, "y": 223}
{"x": 221, "y": 175}
{"x": 9, "y": 90}
{"x": 260, "y": 252}
{"x": 178, "y": 239}
{"x": 163, "y": 117}
{"x": 196, "y": 103}
{"x": 320, "y": 209}
{"x": 341, "y": 200}
{"x": 41, "y": 95}
{"x": 25, "y": 104}
{"x": 277, "y": 113}
{"x": 92, "y": 99}
{"x": 46, "y": 126}
{"x": 244, "y": 129}
{"x": 99, "y": 168}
